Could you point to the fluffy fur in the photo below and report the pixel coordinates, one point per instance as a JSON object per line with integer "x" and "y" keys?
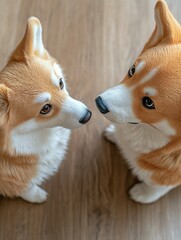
{"x": 33, "y": 143}
{"x": 149, "y": 138}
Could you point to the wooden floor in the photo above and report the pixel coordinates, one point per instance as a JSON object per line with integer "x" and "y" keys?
{"x": 95, "y": 41}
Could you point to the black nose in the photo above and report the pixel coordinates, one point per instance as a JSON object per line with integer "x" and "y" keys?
{"x": 101, "y": 105}
{"x": 86, "y": 117}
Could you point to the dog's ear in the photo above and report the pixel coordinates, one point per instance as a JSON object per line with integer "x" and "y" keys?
{"x": 4, "y": 104}
{"x": 167, "y": 29}
{"x": 31, "y": 43}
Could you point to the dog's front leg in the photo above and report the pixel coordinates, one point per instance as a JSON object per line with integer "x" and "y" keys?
{"x": 34, "y": 194}
{"x": 143, "y": 193}
{"x": 109, "y": 133}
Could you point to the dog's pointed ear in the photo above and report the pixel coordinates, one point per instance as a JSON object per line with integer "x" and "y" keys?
{"x": 31, "y": 43}
{"x": 167, "y": 29}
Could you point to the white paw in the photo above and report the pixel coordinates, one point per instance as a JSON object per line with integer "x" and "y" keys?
{"x": 41, "y": 196}
{"x": 35, "y": 195}
{"x": 110, "y": 133}
{"x": 140, "y": 193}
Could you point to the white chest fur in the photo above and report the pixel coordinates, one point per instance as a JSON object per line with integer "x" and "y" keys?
{"x": 134, "y": 140}
{"x": 49, "y": 161}
{"x": 49, "y": 144}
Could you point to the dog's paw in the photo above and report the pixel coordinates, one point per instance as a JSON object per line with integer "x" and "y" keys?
{"x": 35, "y": 195}
{"x": 109, "y": 133}
{"x": 141, "y": 193}
{"x": 41, "y": 196}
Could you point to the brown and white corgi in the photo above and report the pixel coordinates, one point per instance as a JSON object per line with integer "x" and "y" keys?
{"x": 36, "y": 113}
{"x": 146, "y": 110}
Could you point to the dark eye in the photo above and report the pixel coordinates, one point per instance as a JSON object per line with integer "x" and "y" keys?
{"x": 61, "y": 84}
{"x": 148, "y": 103}
{"x": 46, "y": 109}
{"x": 131, "y": 71}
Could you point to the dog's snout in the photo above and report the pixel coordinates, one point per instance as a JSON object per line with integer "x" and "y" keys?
{"x": 101, "y": 105}
{"x": 86, "y": 117}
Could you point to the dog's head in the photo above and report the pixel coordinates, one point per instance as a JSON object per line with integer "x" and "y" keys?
{"x": 151, "y": 91}
{"x": 33, "y": 91}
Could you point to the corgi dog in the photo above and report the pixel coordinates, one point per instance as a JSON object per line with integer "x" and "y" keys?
{"x": 36, "y": 115}
{"x": 146, "y": 113}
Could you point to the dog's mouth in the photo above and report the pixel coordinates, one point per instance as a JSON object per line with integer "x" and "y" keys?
{"x": 101, "y": 105}
{"x": 132, "y": 122}
{"x": 86, "y": 117}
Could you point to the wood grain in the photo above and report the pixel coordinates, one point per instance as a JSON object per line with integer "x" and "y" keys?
{"x": 95, "y": 42}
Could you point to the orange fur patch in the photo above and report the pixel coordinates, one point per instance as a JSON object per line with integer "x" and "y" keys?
{"x": 16, "y": 173}
{"x": 164, "y": 163}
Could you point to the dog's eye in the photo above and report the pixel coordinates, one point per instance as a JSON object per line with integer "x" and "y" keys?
{"x": 46, "y": 109}
{"x": 148, "y": 103}
{"x": 61, "y": 84}
{"x": 131, "y": 71}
